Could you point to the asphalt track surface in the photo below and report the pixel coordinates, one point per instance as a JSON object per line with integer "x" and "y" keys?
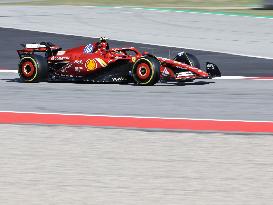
{"x": 219, "y": 99}
{"x": 210, "y": 99}
{"x": 230, "y": 65}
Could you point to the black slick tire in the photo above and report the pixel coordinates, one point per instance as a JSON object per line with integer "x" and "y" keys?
{"x": 193, "y": 60}
{"x": 146, "y": 71}
{"x": 33, "y": 69}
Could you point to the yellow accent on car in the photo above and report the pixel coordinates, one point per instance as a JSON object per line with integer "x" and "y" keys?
{"x": 101, "y": 62}
{"x": 133, "y": 59}
{"x": 91, "y": 65}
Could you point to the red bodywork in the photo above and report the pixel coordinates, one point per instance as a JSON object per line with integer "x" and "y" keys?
{"x": 75, "y": 62}
{"x": 84, "y": 64}
{"x": 168, "y": 64}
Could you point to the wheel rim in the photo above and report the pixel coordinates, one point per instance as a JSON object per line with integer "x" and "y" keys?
{"x": 27, "y": 69}
{"x": 143, "y": 71}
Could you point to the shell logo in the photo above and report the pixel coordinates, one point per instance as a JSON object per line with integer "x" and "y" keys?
{"x": 91, "y": 65}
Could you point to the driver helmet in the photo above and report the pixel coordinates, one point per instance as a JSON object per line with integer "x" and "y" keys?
{"x": 103, "y": 39}
{"x": 103, "y": 43}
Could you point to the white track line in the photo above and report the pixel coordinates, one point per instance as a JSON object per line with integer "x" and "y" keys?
{"x": 264, "y": 79}
{"x": 242, "y": 78}
{"x": 230, "y": 78}
{"x": 217, "y": 78}
{"x": 8, "y": 71}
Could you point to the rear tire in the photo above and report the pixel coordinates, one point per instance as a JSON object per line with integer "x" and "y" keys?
{"x": 33, "y": 69}
{"x": 146, "y": 71}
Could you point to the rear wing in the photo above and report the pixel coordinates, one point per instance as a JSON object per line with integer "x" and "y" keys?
{"x": 44, "y": 47}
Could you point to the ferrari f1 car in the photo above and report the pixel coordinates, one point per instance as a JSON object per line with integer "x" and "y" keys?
{"x": 97, "y": 63}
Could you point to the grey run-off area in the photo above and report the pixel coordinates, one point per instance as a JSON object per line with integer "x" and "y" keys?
{"x": 210, "y": 99}
{"x": 79, "y": 165}
{"x": 242, "y": 35}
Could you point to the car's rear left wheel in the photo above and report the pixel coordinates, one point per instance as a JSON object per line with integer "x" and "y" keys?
{"x": 33, "y": 68}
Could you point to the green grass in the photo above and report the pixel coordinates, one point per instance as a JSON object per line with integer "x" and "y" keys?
{"x": 242, "y": 7}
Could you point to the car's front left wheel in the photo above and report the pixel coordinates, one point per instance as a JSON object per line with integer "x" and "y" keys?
{"x": 146, "y": 71}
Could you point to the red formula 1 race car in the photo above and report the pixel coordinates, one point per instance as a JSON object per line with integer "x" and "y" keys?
{"x": 97, "y": 63}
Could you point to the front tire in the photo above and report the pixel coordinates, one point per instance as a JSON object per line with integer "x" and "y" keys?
{"x": 33, "y": 69}
{"x": 146, "y": 71}
{"x": 193, "y": 60}
{"x": 188, "y": 59}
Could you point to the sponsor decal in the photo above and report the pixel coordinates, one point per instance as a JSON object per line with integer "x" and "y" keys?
{"x": 60, "y": 58}
{"x": 60, "y": 53}
{"x": 184, "y": 74}
{"x": 133, "y": 59}
{"x": 210, "y": 66}
{"x": 166, "y": 72}
{"x": 91, "y": 65}
{"x": 35, "y": 45}
{"x": 118, "y": 79}
{"x": 78, "y": 69}
{"x": 88, "y": 49}
{"x": 181, "y": 53}
{"x": 78, "y": 62}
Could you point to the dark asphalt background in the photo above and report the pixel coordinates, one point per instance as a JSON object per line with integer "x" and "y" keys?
{"x": 230, "y": 65}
